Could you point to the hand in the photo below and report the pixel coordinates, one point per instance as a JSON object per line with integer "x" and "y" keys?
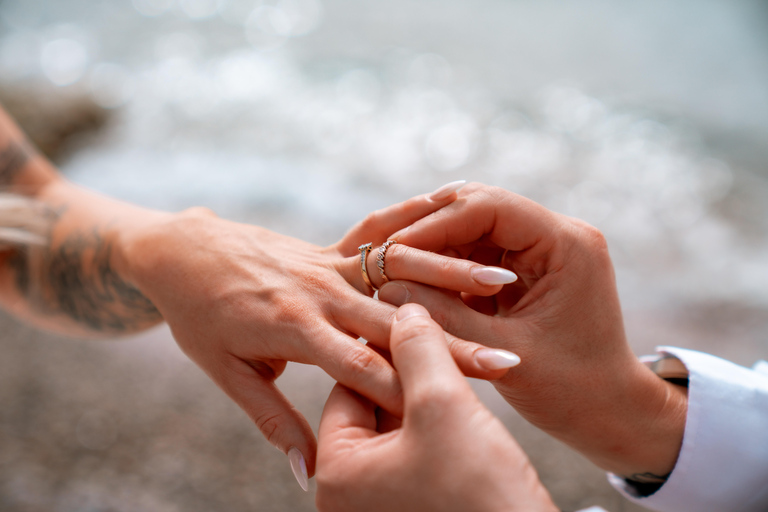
{"x": 449, "y": 454}
{"x": 580, "y": 380}
{"x": 242, "y": 300}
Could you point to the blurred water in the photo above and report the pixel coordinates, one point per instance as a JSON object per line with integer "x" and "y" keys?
{"x": 303, "y": 115}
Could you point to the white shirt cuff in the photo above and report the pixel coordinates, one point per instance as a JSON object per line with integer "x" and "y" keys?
{"x": 723, "y": 463}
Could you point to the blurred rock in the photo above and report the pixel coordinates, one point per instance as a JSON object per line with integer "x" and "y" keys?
{"x": 55, "y": 119}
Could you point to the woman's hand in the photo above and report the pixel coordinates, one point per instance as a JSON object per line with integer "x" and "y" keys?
{"x": 580, "y": 380}
{"x": 242, "y": 300}
{"x": 448, "y": 454}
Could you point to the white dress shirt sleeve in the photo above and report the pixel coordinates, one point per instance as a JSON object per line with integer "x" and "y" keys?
{"x": 723, "y": 463}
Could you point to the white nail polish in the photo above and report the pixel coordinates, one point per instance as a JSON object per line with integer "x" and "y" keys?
{"x": 496, "y": 358}
{"x": 446, "y": 190}
{"x": 299, "y": 467}
{"x": 493, "y": 275}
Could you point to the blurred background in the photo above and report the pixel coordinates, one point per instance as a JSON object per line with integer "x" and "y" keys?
{"x": 647, "y": 119}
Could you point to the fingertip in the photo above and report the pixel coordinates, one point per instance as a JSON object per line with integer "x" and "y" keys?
{"x": 410, "y": 310}
{"x": 447, "y": 190}
{"x": 299, "y": 467}
{"x": 493, "y": 276}
{"x": 394, "y": 293}
{"x": 496, "y": 359}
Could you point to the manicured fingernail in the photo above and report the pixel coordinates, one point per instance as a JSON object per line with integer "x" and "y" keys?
{"x": 394, "y": 293}
{"x": 496, "y": 359}
{"x": 409, "y": 310}
{"x": 299, "y": 467}
{"x": 446, "y": 190}
{"x": 493, "y": 275}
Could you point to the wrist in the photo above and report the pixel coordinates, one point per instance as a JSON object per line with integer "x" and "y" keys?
{"x": 646, "y": 435}
{"x": 138, "y": 244}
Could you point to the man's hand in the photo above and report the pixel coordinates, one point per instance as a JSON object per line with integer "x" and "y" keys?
{"x": 448, "y": 454}
{"x": 579, "y": 379}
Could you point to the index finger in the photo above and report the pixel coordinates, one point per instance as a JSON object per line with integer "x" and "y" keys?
{"x": 509, "y": 220}
{"x": 379, "y": 225}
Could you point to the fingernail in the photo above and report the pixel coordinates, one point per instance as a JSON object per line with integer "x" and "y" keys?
{"x": 409, "y": 310}
{"x": 496, "y": 359}
{"x": 394, "y": 293}
{"x": 299, "y": 467}
{"x": 493, "y": 275}
{"x": 446, "y": 190}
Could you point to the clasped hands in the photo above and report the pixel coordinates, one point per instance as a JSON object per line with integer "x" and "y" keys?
{"x": 267, "y": 299}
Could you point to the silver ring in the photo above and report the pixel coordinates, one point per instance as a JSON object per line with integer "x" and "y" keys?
{"x": 364, "y": 250}
{"x": 380, "y": 258}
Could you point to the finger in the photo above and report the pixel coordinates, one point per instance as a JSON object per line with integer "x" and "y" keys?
{"x": 365, "y": 317}
{"x": 358, "y": 367}
{"x": 446, "y": 308}
{"x": 488, "y": 357}
{"x": 346, "y": 415}
{"x": 379, "y": 225}
{"x": 280, "y": 423}
{"x": 427, "y": 371}
{"x": 400, "y": 262}
{"x": 506, "y": 219}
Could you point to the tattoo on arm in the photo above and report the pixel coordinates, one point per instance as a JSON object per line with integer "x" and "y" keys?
{"x": 75, "y": 278}
{"x": 84, "y": 286}
{"x": 13, "y": 158}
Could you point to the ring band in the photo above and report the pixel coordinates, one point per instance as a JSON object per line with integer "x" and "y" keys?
{"x": 364, "y": 250}
{"x": 380, "y": 258}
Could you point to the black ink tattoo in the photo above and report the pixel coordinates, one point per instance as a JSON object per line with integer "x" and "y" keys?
{"x": 85, "y": 287}
{"x": 18, "y": 261}
{"x": 13, "y": 158}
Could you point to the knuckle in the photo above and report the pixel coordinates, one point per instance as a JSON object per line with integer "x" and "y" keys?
{"x": 397, "y": 254}
{"x": 589, "y": 236}
{"x": 371, "y": 220}
{"x": 360, "y": 361}
{"x": 200, "y": 211}
{"x": 269, "y": 424}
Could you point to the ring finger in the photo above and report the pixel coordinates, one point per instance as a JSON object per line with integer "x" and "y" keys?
{"x": 400, "y": 262}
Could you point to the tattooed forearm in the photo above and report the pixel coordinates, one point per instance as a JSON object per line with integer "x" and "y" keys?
{"x": 83, "y": 285}
{"x": 75, "y": 278}
{"x": 13, "y": 157}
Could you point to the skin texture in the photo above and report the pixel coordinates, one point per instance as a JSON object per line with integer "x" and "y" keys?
{"x": 578, "y": 380}
{"x": 449, "y": 453}
{"x": 240, "y": 300}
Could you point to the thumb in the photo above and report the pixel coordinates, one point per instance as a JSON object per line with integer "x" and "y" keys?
{"x": 482, "y": 360}
{"x": 426, "y": 368}
{"x": 279, "y": 421}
